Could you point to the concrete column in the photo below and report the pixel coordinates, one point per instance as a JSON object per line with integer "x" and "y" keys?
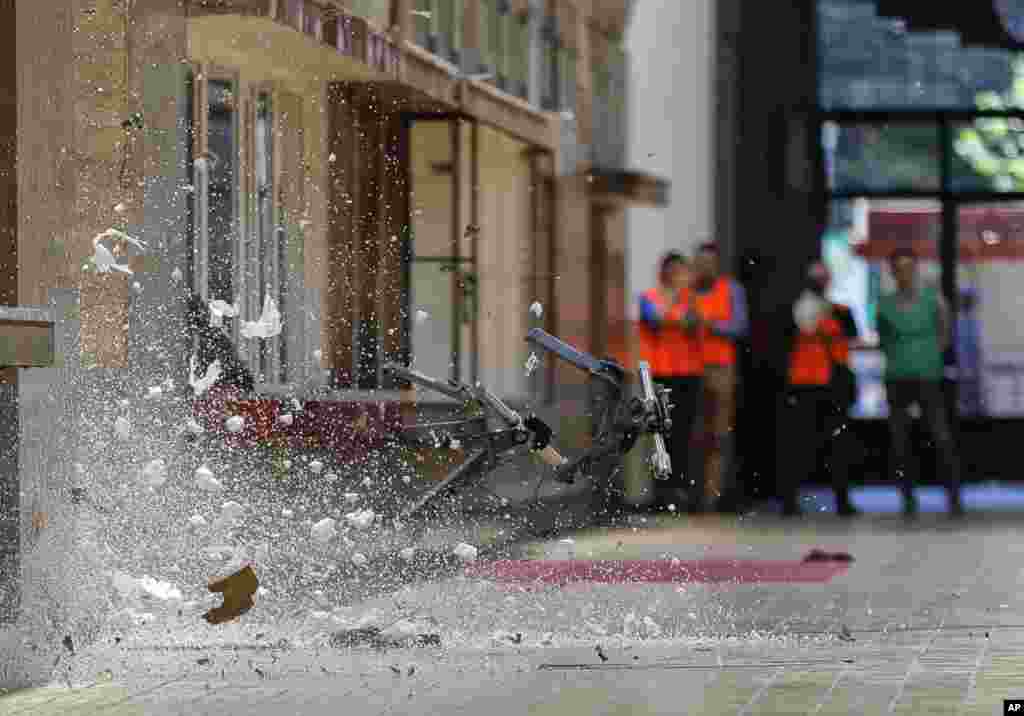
{"x": 671, "y": 116}
{"x": 157, "y": 339}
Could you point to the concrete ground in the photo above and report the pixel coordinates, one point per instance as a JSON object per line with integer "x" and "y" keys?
{"x": 928, "y": 619}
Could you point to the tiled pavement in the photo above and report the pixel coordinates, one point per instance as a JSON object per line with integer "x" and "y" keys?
{"x": 933, "y": 610}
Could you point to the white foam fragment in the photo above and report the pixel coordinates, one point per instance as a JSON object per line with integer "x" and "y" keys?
{"x": 324, "y": 530}
{"x": 197, "y": 521}
{"x": 408, "y": 553}
{"x": 122, "y": 428}
{"x": 235, "y": 424}
{"x": 407, "y": 479}
{"x": 154, "y": 392}
{"x": 537, "y": 309}
{"x": 287, "y": 464}
{"x": 359, "y": 559}
{"x": 465, "y": 552}
{"x": 287, "y": 513}
{"x": 154, "y": 473}
{"x": 193, "y": 427}
{"x": 177, "y": 275}
{"x": 531, "y": 364}
{"x": 318, "y": 354}
{"x": 652, "y": 627}
{"x": 285, "y": 419}
{"x": 422, "y": 317}
{"x": 206, "y": 481}
{"x": 352, "y": 497}
{"x": 361, "y": 519}
{"x": 267, "y": 325}
{"x": 232, "y": 511}
{"x": 316, "y": 467}
{"x": 331, "y": 477}
{"x": 200, "y": 384}
{"x": 104, "y": 259}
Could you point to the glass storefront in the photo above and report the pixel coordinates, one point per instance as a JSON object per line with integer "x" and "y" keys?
{"x": 923, "y": 147}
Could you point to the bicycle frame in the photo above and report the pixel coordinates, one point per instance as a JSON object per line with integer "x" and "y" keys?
{"x": 619, "y": 425}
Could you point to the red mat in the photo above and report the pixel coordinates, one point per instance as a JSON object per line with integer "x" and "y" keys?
{"x": 738, "y": 571}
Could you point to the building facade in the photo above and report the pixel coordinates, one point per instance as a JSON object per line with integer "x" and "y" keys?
{"x": 403, "y": 178}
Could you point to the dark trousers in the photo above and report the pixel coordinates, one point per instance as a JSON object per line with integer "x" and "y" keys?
{"x": 686, "y": 402}
{"x": 901, "y": 394}
{"x": 813, "y": 433}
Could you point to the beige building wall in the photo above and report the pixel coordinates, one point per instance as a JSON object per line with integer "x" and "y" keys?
{"x": 505, "y": 261}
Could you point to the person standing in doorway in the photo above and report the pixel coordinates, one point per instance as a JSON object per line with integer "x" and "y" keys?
{"x": 820, "y": 391}
{"x": 721, "y": 308}
{"x": 914, "y": 330}
{"x": 669, "y": 343}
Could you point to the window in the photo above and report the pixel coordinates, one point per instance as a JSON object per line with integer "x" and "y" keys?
{"x": 438, "y": 27}
{"x": 567, "y": 65}
{"x": 270, "y": 359}
{"x": 220, "y": 190}
{"x": 488, "y": 34}
{"x": 239, "y": 235}
{"x": 946, "y": 180}
{"x": 519, "y": 56}
{"x": 550, "y": 76}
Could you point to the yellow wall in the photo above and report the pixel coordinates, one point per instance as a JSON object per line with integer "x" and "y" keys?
{"x": 505, "y": 262}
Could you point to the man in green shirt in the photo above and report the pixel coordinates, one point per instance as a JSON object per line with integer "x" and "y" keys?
{"x": 914, "y": 329}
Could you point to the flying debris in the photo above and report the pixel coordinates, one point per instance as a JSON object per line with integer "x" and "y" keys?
{"x": 324, "y": 530}
{"x": 361, "y": 519}
{"x": 286, "y": 419}
{"x": 220, "y": 308}
{"x": 316, "y": 467}
{"x": 177, "y": 275}
{"x": 231, "y": 511}
{"x": 235, "y": 424}
{"x": 238, "y": 590}
{"x": 359, "y": 559}
{"x": 206, "y": 481}
{"x": 537, "y": 309}
{"x": 197, "y": 521}
{"x": 531, "y": 364}
{"x": 466, "y": 552}
{"x": 422, "y": 317}
{"x": 268, "y": 325}
{"x": 212, "y": 375}
{"x": 407, "y": 554}
{"x": 192, "y": 427}
{"x": 102, "y": 256}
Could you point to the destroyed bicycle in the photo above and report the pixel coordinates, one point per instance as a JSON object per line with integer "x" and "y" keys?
{"x": 619, "y": 420}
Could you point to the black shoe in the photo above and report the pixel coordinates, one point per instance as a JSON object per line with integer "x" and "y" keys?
{"x": 956, "y": 508}
{"x": 909, "y": 508}
{"x": 791, "y": 509}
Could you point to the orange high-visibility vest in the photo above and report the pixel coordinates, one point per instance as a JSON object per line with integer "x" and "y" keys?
{"x": 810, "y": 361}
{"x": 716, "y": 305}
{"x": 670, "y": 351}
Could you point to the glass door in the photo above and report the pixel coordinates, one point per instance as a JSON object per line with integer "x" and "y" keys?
{"x": 989, "y": 338}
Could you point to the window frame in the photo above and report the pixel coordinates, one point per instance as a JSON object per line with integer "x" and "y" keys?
{"x": 258, "y": 248}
